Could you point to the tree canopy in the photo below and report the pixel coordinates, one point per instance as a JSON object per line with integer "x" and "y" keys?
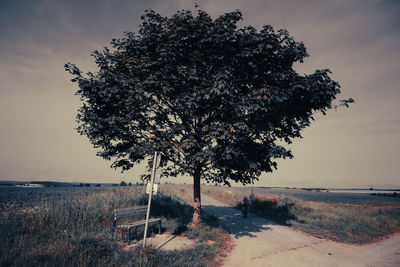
{"x": 214, "y": 99}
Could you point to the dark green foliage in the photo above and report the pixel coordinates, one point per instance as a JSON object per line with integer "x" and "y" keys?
{"x": 212, "y": 98}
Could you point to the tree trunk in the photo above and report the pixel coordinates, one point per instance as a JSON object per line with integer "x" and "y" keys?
{"x": 196, "y": 198}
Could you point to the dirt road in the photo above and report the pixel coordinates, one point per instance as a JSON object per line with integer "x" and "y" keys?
{"x": 260, "y": 242}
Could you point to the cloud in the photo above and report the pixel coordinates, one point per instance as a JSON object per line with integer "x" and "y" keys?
{"x": 356, "y": 39}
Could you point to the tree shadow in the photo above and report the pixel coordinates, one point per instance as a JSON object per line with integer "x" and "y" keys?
{"x": 233, "y": 221}
{"x": 172, "y": 209}
{"x": 166, "y": 242}
{"x": 272, "y": 209}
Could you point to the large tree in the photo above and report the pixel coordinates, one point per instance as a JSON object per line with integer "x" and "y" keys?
{"x": 214, "y": 99}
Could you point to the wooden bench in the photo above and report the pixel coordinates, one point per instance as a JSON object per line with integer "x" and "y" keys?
{"x": 133, "y": 213}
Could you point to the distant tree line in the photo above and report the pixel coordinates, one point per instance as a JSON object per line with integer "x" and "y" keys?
{"x": 123, "y": 183}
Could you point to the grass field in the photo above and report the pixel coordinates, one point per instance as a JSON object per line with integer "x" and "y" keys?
{"x": 344, "y": 217}
{"x": 72, "y": 227}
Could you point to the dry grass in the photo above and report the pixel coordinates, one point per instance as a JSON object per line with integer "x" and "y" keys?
{"x": 342, "y": 222}
{"x": 72, "y": 227}
{"x": 346, "y": 224}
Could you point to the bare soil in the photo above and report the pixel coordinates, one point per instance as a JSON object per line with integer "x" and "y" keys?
{"x": 165, "y": 241}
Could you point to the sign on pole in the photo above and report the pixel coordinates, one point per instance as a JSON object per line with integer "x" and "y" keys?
{"x": 150, "y": 188}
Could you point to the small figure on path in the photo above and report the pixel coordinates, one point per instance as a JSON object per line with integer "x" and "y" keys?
{"x": 246, "y": 204}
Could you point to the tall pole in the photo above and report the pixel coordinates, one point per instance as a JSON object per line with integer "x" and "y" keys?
{"x": 153, "y": 172}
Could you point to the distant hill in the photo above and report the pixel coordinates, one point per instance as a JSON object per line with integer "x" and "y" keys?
{"x": 9, "y": 183}
{"x": 52, "y": 184}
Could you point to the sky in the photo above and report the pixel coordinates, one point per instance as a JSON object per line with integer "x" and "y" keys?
{"x": 357, "y": 40}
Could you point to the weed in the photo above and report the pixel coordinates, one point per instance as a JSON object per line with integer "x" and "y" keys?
{"x": 352, "y": 220}
{"x": 72, "y": 227}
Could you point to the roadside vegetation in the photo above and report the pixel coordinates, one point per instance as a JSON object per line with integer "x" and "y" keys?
{"x": 342, "y": 222}
{"x": 72, "y": 227}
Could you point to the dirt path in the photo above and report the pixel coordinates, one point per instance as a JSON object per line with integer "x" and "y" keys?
{"x": 260, "y": 242}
